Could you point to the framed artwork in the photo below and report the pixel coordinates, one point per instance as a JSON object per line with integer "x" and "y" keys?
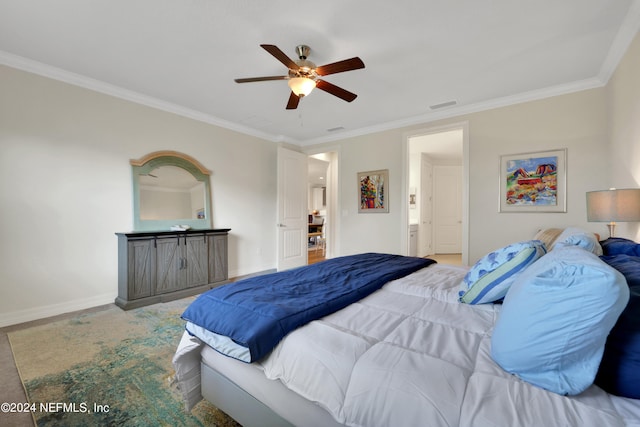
{"x": 534, "y": 182}
{"x": 373, "y": 195}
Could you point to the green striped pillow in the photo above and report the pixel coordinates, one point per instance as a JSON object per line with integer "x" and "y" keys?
{"x": 490, "y": 278}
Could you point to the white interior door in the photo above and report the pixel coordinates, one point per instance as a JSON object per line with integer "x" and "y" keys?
{"x": 292, "y": 209}
{"x": 425, "y": 230}
{"x": 448, "y": 209}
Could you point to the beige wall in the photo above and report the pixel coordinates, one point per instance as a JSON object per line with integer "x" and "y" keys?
{"x": 65, "y": 189}
{"x": 600, "y": 128}
{"x": 66, "y": 180}
{"x": 623, "y": 107}
{"x": 576, "y": 122}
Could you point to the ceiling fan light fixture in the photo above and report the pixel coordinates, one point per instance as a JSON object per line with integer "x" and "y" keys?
{"x": 301, "y": 86}
{"x": 303, "y": 75}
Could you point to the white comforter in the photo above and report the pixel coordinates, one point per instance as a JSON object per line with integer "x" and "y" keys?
{"x": 410, "y": 354}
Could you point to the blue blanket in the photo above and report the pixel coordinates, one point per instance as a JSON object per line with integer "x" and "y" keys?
{"x": 619, "y": 371}
{"x": 258, "y": 312}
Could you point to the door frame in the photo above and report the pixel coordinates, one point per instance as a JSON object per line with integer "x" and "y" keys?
{"x": 332, "y": 232}
{"x": 464, "y": 126}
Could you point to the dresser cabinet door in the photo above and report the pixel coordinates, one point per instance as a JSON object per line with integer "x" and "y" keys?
{"x": 217, "y": 257}
{"x": 195, "y": 264}
{"x": 170, "y": 265}
{"x": 141, "y": 268}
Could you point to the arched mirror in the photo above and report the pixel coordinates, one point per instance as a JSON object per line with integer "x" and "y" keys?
{"x": 169, "y": 189}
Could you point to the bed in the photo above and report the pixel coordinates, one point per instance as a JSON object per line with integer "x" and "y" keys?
{"x": 412, "y": 351}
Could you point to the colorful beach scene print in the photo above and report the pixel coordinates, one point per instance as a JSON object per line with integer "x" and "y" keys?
{"x": 373, "y": 185}
{"x": 532, "y": 181}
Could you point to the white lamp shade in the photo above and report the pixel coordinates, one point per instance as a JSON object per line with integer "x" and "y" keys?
{"x": 301, "y": 86}
{"x": 613, "y": 205}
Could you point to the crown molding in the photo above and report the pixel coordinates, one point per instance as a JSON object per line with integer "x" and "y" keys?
{"x": 626, "y": 34}
{"x": 59, "y": 74}
{"x": 623, "y": 39}
{"x": 464, "y": 109}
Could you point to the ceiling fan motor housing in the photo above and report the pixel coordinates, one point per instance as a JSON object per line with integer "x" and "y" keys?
{"x": 303, "y": 51}
{"x": 307, "y": 68}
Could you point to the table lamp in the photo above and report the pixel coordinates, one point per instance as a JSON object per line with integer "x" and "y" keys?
{"x": 613, "y": 206}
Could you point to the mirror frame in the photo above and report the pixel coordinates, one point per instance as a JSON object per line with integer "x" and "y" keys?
{"x": 151, "y": 161}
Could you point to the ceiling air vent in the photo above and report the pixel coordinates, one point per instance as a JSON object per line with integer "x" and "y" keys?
{"x": 442, "y": 105}
{"x": 335, "y": 129}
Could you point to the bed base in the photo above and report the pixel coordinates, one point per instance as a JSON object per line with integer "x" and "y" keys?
{"x": 237, "y": 403}
{"x": 243, "y": 392}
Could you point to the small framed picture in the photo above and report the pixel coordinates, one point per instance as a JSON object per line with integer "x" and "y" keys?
{"x": 533, "y": 182}
{"x": 373, "y": 186}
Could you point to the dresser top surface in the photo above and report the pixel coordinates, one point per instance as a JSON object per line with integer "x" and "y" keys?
{"x": 173, "y": 232}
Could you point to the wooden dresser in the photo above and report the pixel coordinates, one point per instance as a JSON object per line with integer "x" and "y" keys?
{"x": 166, "y": 265}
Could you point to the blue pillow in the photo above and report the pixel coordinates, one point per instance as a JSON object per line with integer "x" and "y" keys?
{"x": 618, "y": 245}
{"x": 574, "y": 236}
{"x": 619, "y": 371}
{"x": 490, "y": 278}
{"x": 555, "y": 319}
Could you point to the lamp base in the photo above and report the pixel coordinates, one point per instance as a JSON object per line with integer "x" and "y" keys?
{"x": 612, "y": 228}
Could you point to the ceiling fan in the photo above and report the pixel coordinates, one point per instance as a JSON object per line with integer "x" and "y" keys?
{"x": 303, "y": 74}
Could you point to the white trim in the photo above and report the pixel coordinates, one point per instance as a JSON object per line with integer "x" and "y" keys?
{"x": 129, "y": 95}
{"x": 465, "y": 194}
{"x": 332, "y": 243}
{"x": 59, "y": 74}
{"x": 623, "y": 39}
{"x": 464, "y": 126}
{"x": 447, "y": 113}
{"x": 37, "y": 313}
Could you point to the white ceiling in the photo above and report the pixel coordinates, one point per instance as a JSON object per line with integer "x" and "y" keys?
{"x": 182, "y": 56}
{"x": 442, "y": 146}
{"x": 317, "y": 172}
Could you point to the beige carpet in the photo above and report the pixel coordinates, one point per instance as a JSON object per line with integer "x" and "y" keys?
{"x": 111, "y": 367}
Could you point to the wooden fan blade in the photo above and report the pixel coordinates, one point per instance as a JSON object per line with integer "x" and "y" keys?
{"x": 280, "y": 56}
{"x": 340, "y": 66}
{"x": 293, "y": 101}
{"x": 260, "y": 79}
{"x": 336, "y": 90}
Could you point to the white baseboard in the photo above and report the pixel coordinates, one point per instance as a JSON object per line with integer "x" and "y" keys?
{"x": 255, "y": 270}
{"x": 36, "y": 313}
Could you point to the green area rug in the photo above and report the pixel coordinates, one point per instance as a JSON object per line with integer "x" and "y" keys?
{"x": 108, "y": 368}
